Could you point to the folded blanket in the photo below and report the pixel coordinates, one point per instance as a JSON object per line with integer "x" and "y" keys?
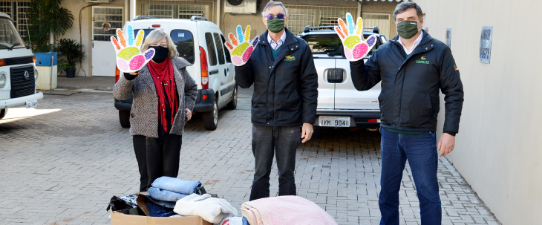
{"x": 164, "y": 195}
{"x": 212, "y": 210}
{"x": 177, "y": 185}
{"x": 291, "y": 210}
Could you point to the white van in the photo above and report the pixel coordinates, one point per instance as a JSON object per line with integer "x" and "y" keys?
{"x": 201, "y": 43}
{"x": 17, "y": 72}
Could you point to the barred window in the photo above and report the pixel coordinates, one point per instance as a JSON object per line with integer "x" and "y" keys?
{"x": 102, "y": 15}
{"x": 17, "y": 10}
{"x": 179, "y": 10}
{"x": 301, "y": 16}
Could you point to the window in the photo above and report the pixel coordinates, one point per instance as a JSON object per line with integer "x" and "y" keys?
{"x": 219, "y": 49}
{"x": 331, "y": 44}
{"x": 301, "y": 16}
{"x": 228, "y": 57}
{"x": 184, "y": 41}
{"x": 211, "y": 49}
{"x": 101, "y": 15}
{"x": 18, "y": 13}
{"x": 179, "y": 10}
{"x": 146, "y": 32}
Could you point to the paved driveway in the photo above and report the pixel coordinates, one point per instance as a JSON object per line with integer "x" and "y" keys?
{"x": 62, "y": 162}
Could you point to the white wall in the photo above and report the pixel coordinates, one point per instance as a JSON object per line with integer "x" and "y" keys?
{"x": 86, "y": 33}
{"x": 499, "y": 145}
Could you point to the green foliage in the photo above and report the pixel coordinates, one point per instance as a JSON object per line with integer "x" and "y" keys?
{"x": 46, "y": 16}
{"x": 72, "y": 50}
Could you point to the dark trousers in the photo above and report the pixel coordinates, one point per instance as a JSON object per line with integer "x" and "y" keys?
{"x": 281, "y": 142}
{"x": 421, "y": 152}
{"x": 157, "y": 157}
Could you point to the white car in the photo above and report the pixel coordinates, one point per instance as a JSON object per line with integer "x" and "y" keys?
{"x": 339, "y": 103}
{"x": 201, "y": 43}
{"x": 17, "y": 72}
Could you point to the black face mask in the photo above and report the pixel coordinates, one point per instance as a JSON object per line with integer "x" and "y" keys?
{"x": 160, "y": 53}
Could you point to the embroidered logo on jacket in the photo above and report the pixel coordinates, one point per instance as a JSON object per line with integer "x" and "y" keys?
{"x": 455, "y": 67}
{"x": 289, "y": 58}
{"x": 422, "y": 60}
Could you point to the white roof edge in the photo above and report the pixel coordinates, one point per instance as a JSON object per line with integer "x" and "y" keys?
{"x": 4, "y": 15}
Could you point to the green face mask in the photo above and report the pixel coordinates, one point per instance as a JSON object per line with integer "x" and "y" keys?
{"x": 275, "y": 25}
{"x": 407, "y": 29}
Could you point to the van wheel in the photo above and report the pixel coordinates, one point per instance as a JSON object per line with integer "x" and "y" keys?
{"x": 3, "y": 113}
{"x": 233, "y": 103}
{"x": 124, "y": 118}
{"x": 210, "y": 119}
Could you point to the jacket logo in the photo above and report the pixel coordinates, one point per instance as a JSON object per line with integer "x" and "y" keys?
{"x": 455, "y": 67}
{"x": 289, "y": 58}
{"x": 422, "y": 60}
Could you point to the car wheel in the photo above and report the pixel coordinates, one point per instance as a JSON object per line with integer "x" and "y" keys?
{"x": 210, "y": 119}
{"x": 124, "y": 118}
{"x": 233, "y": 103}
{"x": 3, "y": 113}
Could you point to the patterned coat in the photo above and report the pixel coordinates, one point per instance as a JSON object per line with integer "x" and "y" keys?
{"x": 144, "y": 113}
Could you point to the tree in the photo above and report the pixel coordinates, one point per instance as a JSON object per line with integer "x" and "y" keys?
{"x": 47, "y": 17}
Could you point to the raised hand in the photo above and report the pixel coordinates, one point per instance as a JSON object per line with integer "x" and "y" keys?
{"x": 129, "y": 56}
{"x": 241, "y": 48}
{"x": 355, "y": 47}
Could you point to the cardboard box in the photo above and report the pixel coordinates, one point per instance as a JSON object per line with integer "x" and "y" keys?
{"x": 118, "y": 218}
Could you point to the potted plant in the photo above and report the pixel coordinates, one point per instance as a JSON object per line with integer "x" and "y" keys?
{"x": 47, "y": 19}
{"x": 71, "y": 49}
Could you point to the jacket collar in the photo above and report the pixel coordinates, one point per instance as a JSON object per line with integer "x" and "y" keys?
{"x": 425, "y": 45}
{"x": 425, "y": 39}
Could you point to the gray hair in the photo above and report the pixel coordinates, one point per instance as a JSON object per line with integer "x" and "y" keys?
{"x": 404, "y": 6}
{"x": 156, "y": 36}
{"x": 272, "y": 4}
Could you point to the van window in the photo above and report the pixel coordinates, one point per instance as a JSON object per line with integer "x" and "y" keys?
{"x": 228, "y": 57}
{"x": 9, "y": 37}
{"x": 219, "y": 48}
{"x": 211, "y": 49}
{"x": 184, "y": 41}
{"x": 147, "y": 32}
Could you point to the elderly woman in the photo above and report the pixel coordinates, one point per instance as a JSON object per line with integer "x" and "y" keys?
{"x": 164, "y": 95}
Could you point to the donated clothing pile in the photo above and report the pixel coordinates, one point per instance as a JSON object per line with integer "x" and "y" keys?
{"x": 171, "y": 197}
{"x": 285, "y": 210}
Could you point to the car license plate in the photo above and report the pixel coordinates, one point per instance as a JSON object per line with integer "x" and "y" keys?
{"x": 31, "y": 103}
{"x": 334, "y": 121}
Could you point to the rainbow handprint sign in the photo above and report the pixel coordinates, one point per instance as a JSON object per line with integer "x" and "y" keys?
{"x": 129, "y": 56}
{"x": 355, "y": 47}
{"x": 241, "y": 48}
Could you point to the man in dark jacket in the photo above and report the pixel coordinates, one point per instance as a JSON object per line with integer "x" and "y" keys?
{"x": 413, "y": 67}
{"x": 285, "y": 96}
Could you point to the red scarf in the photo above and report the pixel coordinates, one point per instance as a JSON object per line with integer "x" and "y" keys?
{"x": 162, "y": 73}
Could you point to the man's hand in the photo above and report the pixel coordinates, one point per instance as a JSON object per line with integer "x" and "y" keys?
{"x": 306, "y": 132}
{"x": 188, "y": 114}
{"x": 446, "y": 144}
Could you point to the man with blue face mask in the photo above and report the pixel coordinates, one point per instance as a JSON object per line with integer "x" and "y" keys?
{"x": 413, "y": 68}
{"x": 282, "y": 70}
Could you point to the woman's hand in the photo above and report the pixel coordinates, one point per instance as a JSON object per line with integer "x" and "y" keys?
{"x": 188, "y": 114}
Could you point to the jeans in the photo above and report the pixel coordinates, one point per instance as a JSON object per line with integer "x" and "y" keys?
{"x": 281, "y": 142}
{"x": 421, "y": 152}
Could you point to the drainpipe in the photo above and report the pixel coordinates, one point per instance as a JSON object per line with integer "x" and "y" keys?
{"x": 132, "y": 9}
{"x": 359, "y": 9}
{"x": 218, "y": 4}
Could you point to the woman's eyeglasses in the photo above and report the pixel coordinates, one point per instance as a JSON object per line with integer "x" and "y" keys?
{"x": 279, "y": 16}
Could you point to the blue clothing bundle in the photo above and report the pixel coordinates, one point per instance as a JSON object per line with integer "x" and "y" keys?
{"x": 172, "y": 189}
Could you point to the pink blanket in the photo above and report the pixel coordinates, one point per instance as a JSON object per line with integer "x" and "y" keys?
{"x": 291, "y": 210}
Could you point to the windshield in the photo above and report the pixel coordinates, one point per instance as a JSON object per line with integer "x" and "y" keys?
{"x": 9, "y": 37}
{"x": 329, "y": 44}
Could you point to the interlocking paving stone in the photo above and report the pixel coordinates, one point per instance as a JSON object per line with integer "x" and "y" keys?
{"x": 64, "y": 160}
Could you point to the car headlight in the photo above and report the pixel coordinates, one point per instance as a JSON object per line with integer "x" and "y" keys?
{"x": 36, "y": 75}
{"x": 3, "y": 80}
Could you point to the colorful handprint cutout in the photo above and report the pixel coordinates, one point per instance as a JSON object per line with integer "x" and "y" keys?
{"x": 351, "y": 34}
{"x": 129, "y": 56}
{"x": 241, "y": 48}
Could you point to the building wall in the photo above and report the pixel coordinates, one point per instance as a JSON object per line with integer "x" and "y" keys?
{"x": 86, "y": 29}
{"x": 499, "y": 146}
{"x": 381, "y": 7}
